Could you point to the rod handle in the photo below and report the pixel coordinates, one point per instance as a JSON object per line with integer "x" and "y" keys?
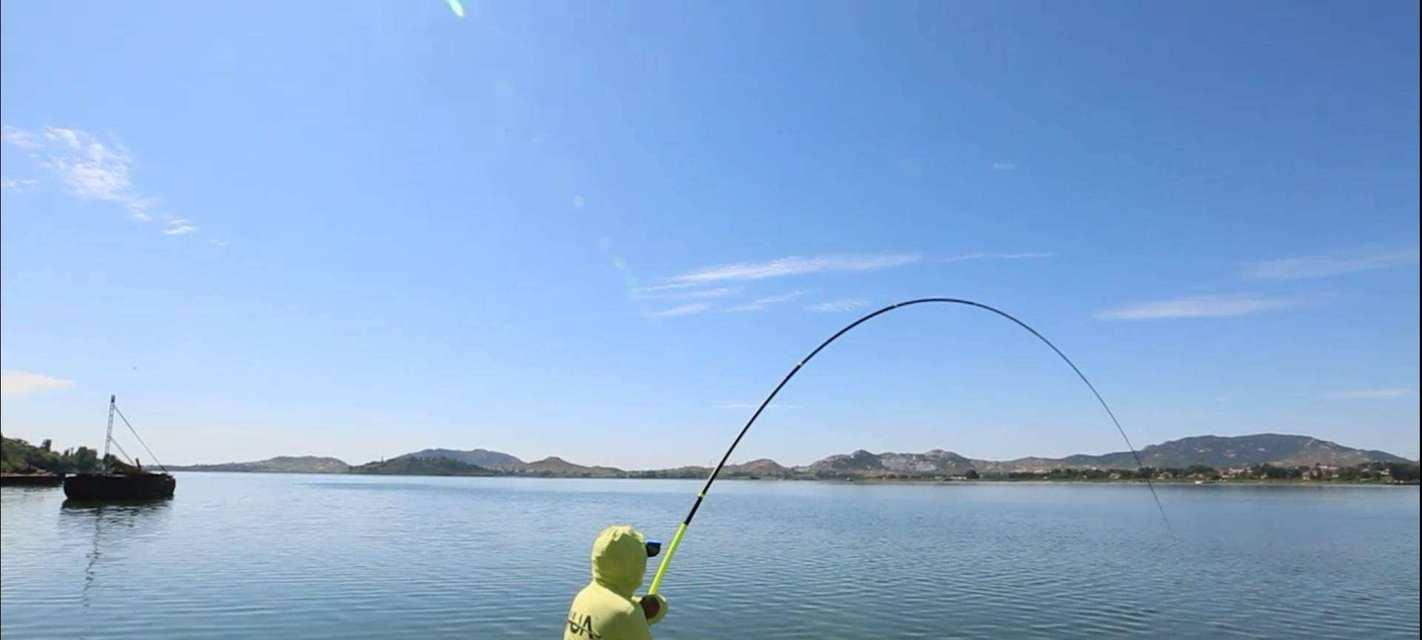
{"x": 666, "y": 559}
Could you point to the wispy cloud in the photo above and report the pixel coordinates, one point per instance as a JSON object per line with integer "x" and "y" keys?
{"x": 23, "y": 383}
{"x": 1208, "y": 306}
{"x": 681, "y": 310}
{"x": 845, "y": 304}
{"x": 1004, "y": 166}
{"x": 179, "y": 227}
{"x": 19, "y": 137}
{"x": 17, "y": 184}
{"x": 761, "y": 303}
{"x": 793, "y": 266}
{"x": 980, "y": 255}
{"x": 90, "y": 169}
{"x": 656, "y": 293}
{"x": 1324, "y": 266}
{"x": 702, "y": 283}
{"x": 659, "y": 288}
{"x": 1372, "y": 394}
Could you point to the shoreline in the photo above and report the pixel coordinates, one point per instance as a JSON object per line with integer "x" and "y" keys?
{"x": 848, "y": 481}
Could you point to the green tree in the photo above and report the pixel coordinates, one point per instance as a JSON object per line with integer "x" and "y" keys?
{"x": 85, "y": 460}
{"x": 1201, "y": 471}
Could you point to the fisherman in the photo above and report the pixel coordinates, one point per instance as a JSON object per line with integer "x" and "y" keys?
{"x": 606, "y": 608}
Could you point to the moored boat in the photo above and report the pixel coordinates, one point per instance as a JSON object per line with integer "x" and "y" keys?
{"x": 119, "y": 481}
{"x": 139, "y": 485}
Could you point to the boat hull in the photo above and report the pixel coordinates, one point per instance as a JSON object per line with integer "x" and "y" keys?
{"x": 113, "y": 486}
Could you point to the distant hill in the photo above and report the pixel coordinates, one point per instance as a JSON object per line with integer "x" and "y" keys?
{"x": 1220, "y": 452}
{"x": 554, "y": 466}
{"x": 862, "y": 463}
{"x": 477, "y": 457}
{"x": 279, "y": 464}
{"x": 411, "y": 466}
{"x": 1272, "y": 448}
{"x": 674, "y": 473}
{"x": 761, "y": 468}
{"x": 500, "y": 462}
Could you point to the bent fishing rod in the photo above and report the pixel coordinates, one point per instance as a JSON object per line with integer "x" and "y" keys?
{"x": 686, "y": 522}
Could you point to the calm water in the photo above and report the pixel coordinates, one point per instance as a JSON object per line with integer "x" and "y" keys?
{"x": 259, "y": 556}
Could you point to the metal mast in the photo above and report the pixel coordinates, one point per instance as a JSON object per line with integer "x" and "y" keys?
{"x": 109, "y": 434}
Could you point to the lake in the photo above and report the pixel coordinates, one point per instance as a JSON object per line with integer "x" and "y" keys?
{"x": 305, "y": 556}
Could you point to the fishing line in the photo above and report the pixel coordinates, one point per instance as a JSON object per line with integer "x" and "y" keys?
{"x": 681, "y": 530}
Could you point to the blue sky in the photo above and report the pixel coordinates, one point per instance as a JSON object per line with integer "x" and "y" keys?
{"x": 359, "y": 229}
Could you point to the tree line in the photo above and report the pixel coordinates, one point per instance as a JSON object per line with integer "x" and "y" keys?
{"x": 19, "y": 456}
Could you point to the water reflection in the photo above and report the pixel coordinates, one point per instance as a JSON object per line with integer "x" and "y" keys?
{"x": 112, "y": 523}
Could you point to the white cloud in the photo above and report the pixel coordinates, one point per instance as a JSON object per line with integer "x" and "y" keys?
{"x": 179, "y": 227}
{"x": 682, "y": 310}
{"x": 67, "y": 136}
{"x": 22, "y": 383}
{"x": 700, "y": 283}
{"x": 655, "y": 293}
{"x": 20, "y": 184}
{"x": 793, "y": 266}
{"x": 18, "y": 137}
{"x": 1023, "y": 255}
{"x": 1372, "y": 394}
{"x": 579, "y": 201}
{"x": 90, "y": 169}
{"x": 761, "y": 303}
{"x": 1208, "y": 306}
{"x": 846, "y": 304}
{"x": 663, "y": 287}
{"x": 1004, "y": 166}
{"x": 1327, "y": 265}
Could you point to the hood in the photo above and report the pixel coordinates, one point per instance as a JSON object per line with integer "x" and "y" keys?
{"x": 619, "y": 558}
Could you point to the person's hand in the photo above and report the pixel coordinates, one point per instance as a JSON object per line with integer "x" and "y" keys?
{"x": 653, "y": 606}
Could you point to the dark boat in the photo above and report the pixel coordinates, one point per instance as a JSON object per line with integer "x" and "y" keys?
{"x": 103, "y": 487}
{"x": 31, "y": 479}
{"x": 119, "y": 481}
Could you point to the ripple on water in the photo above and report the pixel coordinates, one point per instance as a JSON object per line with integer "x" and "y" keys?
{"x": 236, "y": 556}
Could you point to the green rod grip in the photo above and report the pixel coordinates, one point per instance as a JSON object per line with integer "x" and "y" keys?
{"x": 666, "y": 559}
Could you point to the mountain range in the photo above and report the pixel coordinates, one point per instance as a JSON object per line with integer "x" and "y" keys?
{"x": 279, "y": 464}
{"x": 1219, "y": 452}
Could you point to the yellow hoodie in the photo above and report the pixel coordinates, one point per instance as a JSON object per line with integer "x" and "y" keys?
{"x": 606, "y": 608}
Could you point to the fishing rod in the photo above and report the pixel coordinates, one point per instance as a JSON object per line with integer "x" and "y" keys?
{"x": 686, "y": 522}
